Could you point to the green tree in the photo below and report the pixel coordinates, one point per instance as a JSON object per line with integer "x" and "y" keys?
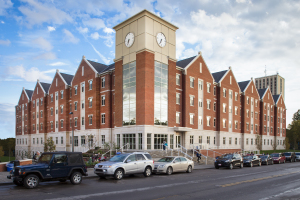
{"x": 1, "y": 152}
{"x": 258, "y": 142}
{"x": 49, "y": 145}
{"x": 293, "y": 134}
{"x": 286, "y": 143}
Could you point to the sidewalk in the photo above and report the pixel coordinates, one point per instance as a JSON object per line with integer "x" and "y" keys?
{"x": 5, "y": 181}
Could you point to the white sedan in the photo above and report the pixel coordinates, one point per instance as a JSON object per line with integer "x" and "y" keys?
{"x": 172, "y": 164}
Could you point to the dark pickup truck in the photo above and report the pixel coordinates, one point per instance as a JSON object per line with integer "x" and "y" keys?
{"x": 52, "y": 166}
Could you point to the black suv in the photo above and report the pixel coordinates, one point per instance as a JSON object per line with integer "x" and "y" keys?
{"x": 290, "y": 156}
{"x": 229, "y": 161}
{"x": 51, "y": 167}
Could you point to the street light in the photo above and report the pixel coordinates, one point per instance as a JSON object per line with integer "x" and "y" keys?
{"x": 71, "y": 113}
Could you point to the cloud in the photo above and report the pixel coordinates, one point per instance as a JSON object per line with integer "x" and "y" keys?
{"x": 5, "y": 42}
{"x": 42, "y": 44}
{"x": 105, "y": 60}
{"x": 83, "y": 30}
{"x": 95, "y": 23}
{"x": 69, "y": 37}
{"x": 108, "y": 30}
{"x": 37, "y": 13}
{"x": 5, "y": 4}
{"x": 7, "y": 120}
{"x": 51, "y": 28}
{"x": 30, "y": 75}
{"x": 2, "y": 22}
{"x": 95, "y": 36}
{"x": 58, "y": 64}
{"x": 45, "y": 56}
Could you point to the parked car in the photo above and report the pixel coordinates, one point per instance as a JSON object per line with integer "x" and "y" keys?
{"x": 266, "y": 160}
{"x": 290, "y": 156}
{"x": 229, "y": 161}
{"x": 251, "y": 161}
{"x": 172, "y": 164}
{"x": 127, "y": 163}
{"x": 53, "y": 166}
{"x": 278, "y": 158}
{"x": 297, "y": 156}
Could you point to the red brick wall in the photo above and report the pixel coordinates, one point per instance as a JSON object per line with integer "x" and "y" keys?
{"x": 172, "y": 94}
{"x": 264, "y": 111}
{"x": 280, "y": 106}
{"x": 119, "y": 93}
{"x": 27, "y": 109}
{"x": 107, "y": 108}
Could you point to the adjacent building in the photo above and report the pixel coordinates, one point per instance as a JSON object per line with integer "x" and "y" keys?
{"x": 276, "y": 83}
{"x": 146, "y": 97}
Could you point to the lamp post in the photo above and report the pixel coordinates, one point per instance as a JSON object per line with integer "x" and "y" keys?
{"x": 71, "y": 113}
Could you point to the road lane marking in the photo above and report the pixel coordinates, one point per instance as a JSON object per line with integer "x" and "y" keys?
{"x": 280, "y": 194}
{"x": 257, "y": 179}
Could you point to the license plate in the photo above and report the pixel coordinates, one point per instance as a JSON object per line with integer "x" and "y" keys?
{"x": 220, "y": 164}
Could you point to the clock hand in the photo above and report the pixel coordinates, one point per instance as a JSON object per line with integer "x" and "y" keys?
{"x": 160, "y": 41}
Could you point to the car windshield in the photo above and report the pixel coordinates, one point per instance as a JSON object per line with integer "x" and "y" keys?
{"x": 118, "y": 158}
{"x": 287, "y": 154}
{"x": 275, "y": 154}
{"x": 298, "y": 154}
{"x": 263, "y": 156}
{"x": 45, "y": 158}
{"x": 167, "y": 159}
{"x": 227, "y": 156}
{"x": 248, "y": 157}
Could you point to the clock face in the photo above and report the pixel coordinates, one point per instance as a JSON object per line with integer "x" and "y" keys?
{"x": 129, "y": 39}
{"x": 161, "y": 39}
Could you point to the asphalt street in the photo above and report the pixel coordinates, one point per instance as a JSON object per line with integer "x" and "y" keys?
{"x": 279, "y": 181}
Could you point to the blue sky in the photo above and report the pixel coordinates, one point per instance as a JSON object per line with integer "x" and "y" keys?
{"x": 38, "y": 37}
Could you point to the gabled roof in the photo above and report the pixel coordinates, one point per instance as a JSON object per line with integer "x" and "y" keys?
{"x": 243, "y": 85}
{"x": 276, "y": 97}
{"x": 45, "y": 86}
{"x": 219, "y": 75}
{"x": 184, "y": 63}
{"x": 67, "y": 77}
{"x": 262, "y": 92}
{"x": 100, "y": 68}
{"x": 29, "y": 93}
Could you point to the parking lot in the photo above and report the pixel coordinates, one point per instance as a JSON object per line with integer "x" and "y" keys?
{"x": 279, "y": 181}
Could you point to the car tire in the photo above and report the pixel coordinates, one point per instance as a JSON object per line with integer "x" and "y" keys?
{"x": 251, "y": 164}
{"x": 31, "y": 181}
{"x": 169, "y": 170}
{"x": 189, "y": 169}
{"x": 18, "y": 183}
{"x": 231, "y": 166}
{"x": 62, "y": 180}
{"x": 148, "y": 172}
{"x": 241, "y": 165}
{"x": 118, "y": 175}
{"x": 76, "y": 178}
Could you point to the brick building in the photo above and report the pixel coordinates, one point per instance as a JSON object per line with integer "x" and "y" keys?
{"x": 145, "y": 97}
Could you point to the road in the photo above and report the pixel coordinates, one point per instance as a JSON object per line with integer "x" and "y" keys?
{"x": 279, "y": 181}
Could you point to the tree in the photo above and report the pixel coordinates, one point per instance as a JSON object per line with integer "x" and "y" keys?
{"x": 294, "y": 133}
{"x": 296, "y": 115}
{"x": 1, "y": 152}
{"x": 286, "y": 143}
{"x": 258, "y": 142}
{"x": 49, "y": 145}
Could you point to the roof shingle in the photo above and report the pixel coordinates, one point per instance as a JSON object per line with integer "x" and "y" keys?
{"x": 243, "y": 85}
{"x": 46, "y": 86}
{"x": 185, "y": 62}
{"x": 29, "y": 93}
{"x": 68, "y": 78}
{"x": 219, "y": 75}
{"x": 261, "y": 92}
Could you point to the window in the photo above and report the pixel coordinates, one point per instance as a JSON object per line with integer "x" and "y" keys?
{"x": 177, "y": 117}
{"x": 51, "y": 125}
{"x": 191, "y": 118}
{"x": 82, "y": 87}
{"x": 200, "y": 103}
{"x": 37, "y": 127}
{"x": 224, "y": 92}
{"x": 191, "y": 100}
{"x": 230, "y": 80}
{"x": 200, "y": 139}
{"x": 103, "y": 100}
{"x": 102, "y": 139}
{"x": 82, "y": 70}
{"x": 33, "y": 140}
{"x": 37, "y": 116}
{"x": 61, "y": 123}
{"x": 62, "y": 94}
{"x": 192, "y": 82}
{"x": 208, "y": 87}
{"x": 247, "y": 126}
{"x": 103, "y": 118}
{"x": 178, "y": 98}
{"x": 224, "y": 140}
{"x": 61, "y": 140}
{"x": 215, "y": 122}
{"x": 215, "y": 90}
{"x": 200, "y": 120}
{"x": 90, "y": 84}
{"x": 236, "y": 96}
{"x": 41, "y": 113}
{"x": 230, "y": 109}
{"x": 75, "y": 122}
{"x": 51, "y": 111}
{"x": 248, "y": 100}
{"x": 56, "y": 96}
{"x": 90, "y": 119}
{"x": 256, "y": 102}
{"x": 76, "y": 141}
{"x": 148, "y": 140}
{"x": 177, "y": 79}
{"x": 200, "y": 67}
{"x": 82, "y": 140}
{"x": 82, "y": 121}
{"x": 90, "y": 102}
{"x": 208, "y": 104}
{"x": 230, "y": 94}
{"x": 191, "y": 139}
{"x": 82, "y": 105}
{"x": 75, "y": 90}
{"x": 103, "y": 82}
{"x": 61, "y": 109}
{"x": 75, "y": 106}
{"x": 33, "y": 104}
{"x": 236, "y": 124}
{"x": 248, "y": 114}
{"x": 235, "y": 110}
{"x": 224, "y": 107}
{"x": 208, "y": 140}
{"x": 247, "y": 141}
{"x": 56, "y": 140}
{"x": 200, "y": 84}
{"x": 230, "y": 139}
{"x": 41, "y": 126}
{"x": 56, "y": 110}
{"x": 208, "y": 120}
{"x": 41, "y": 101}
{"x": 37, "y": 103}
{"x": 224, "y": 123}
{"x": 235, "y": 141}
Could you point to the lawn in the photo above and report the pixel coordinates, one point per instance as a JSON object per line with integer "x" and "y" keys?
{"x": 277, "y": 151}
{"x": 6, "y": 158}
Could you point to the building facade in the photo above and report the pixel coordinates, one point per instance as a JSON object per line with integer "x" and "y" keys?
{"x": 276, "y": 83}
{"x": 146, "y": 97}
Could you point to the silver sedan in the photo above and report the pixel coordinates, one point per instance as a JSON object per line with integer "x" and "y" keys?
{"x": 172, "y": 164}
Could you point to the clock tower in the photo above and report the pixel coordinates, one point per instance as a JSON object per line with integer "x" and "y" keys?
{"x": 145, "y": 43}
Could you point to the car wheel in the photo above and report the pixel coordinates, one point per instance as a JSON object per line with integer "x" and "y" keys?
{"x": 189, "y": 169}
{"x": 62, "y": 180}
{"x": 18, "y": 183}
{"x": 147, "y": 172}
{"x": 251, "y": 164}
{"x": 76, "y": 178}
{"x": 118, "y": 174}
{"x": 259, "y": 164}
{"x": 169, "y": 170}
{"x": 231, "y": 166}
{"x": 31, "y": 181}
{"x": 242, "y": 165}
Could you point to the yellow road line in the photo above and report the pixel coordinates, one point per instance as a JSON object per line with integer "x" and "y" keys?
{"x": 257, "y": 179}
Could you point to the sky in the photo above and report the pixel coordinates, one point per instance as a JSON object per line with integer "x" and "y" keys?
{"x": 38, "y": 37}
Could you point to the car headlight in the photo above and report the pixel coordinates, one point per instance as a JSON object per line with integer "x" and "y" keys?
{"x": 161, "y": 166}
{"x": 106, "y": 166}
